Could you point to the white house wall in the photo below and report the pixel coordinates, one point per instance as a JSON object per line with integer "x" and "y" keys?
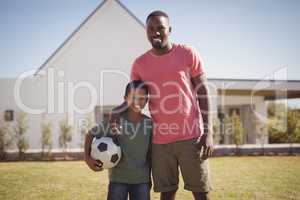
{"x": 257, "y": 102}
{"x": 106, "y": 43}
{"x": 98, "y": 55}
{"x": 28, "y": 96}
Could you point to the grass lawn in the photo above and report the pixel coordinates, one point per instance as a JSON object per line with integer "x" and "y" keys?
{"x": 238, "y": 178}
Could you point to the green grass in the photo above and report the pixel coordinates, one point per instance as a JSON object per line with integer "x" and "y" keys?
{"x": 238, "y": 178}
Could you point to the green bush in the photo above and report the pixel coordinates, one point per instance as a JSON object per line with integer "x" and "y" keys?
{"x": 85, "y": 126}
{"x": 6, "y": 137}
{"x": 21, "y": 128}
{"x": 234, "y": 128}
{"x": 284, "y": 124}
{"x": 46, "y": 139}
{"x": 65, "y": 135}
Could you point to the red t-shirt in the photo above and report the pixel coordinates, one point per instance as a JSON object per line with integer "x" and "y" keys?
{"x": 172, "y": 104}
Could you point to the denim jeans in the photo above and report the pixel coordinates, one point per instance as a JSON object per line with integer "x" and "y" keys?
{"x": 121, "y": 191}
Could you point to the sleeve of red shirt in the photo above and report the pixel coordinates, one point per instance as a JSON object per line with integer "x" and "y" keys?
{"x": 194, "y": 62}
{"x": 134, "y": 75}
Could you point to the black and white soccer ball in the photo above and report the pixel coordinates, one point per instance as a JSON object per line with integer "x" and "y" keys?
{"x": 107, "y": 150}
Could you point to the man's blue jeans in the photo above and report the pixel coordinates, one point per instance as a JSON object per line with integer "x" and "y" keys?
{"x": 120, "y": 191}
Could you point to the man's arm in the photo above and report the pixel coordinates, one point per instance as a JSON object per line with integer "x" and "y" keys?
{"x": 206, "y": 141}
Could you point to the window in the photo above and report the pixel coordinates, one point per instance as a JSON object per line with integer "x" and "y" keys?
{"x": 9, "y": 115}
{"x": 234, "y": 110}
{"x": 102, "y": 113}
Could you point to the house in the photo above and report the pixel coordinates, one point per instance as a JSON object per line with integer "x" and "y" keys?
{"x": 86, "y": 75}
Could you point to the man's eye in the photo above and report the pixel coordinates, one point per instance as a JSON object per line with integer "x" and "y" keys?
{"x": 150, "y": 28}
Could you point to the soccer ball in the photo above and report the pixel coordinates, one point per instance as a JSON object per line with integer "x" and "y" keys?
{"x": 107, "y": 150}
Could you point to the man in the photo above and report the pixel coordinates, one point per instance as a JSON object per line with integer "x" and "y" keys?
{"x": 179, "y": 106}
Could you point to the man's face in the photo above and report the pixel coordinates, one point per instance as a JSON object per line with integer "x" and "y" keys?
{"x": 136, "y": 99}
{"x": 158, "y": 31}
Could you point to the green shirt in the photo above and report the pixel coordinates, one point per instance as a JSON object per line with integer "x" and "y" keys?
{"x": 135, "y": 143}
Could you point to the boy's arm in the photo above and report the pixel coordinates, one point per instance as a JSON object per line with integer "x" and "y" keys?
{"x": 149, "y": 157}
{"x": 94, "y": 165}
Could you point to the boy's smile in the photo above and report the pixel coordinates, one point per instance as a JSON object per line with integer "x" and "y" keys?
{"x": 136, "y": 99}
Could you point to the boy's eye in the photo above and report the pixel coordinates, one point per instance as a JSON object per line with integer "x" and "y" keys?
{"x": 139, "y": 98}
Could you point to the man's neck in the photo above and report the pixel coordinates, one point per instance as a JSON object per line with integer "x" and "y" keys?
{"x": 133, "y": 116}
{"x": 164, "y": 50}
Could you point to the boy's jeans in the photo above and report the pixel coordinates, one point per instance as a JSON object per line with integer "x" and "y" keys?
{"x": 120, "y": 191}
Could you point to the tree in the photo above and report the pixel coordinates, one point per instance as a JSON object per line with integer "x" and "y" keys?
{"x": 260, "y": 129}
{"x": 276, "y": 109}
{"x": 216, "y": 130}
{"x": 46, "y": 139}
{"x": 6, "y": 137}
{"x": 283, "y": 124}
{"x": 21, "y": 128}
{"x": 85, "y": 126}
{"x": 293, "y": 127}
{"x": 65, "y": 135}
{"x": 234, "y": 127}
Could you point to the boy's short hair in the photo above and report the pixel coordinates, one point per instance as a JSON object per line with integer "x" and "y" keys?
{"x": 136, "y": 84}
{"x": 157, "y": 13}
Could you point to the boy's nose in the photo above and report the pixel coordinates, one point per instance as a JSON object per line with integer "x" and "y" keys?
{"x": 136, "y": 102}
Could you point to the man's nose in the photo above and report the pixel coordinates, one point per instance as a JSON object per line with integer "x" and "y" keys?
{"x": 157, "y": 33}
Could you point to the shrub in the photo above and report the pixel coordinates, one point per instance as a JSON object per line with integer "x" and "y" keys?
{"x": 6, "y": 137}
{"x": 65, "y": 135}
{"x": 46, "y": 139}
{"x": 85, "y": 125}
{"x": 21, "y": 128}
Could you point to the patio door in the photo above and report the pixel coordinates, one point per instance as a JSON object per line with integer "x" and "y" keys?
{"x": 245, "y": 114}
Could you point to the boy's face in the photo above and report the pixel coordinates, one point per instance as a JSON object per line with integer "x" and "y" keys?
{"x": 136, "y": 99}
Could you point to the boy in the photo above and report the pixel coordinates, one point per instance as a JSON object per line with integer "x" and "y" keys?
{"x": 132, "y": 174}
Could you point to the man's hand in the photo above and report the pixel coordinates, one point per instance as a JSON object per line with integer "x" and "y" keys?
{"x": 205, "y": 144}
{"x": 95, "y": 165}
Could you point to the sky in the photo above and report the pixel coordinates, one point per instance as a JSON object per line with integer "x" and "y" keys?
{"x": 236, "y": 38}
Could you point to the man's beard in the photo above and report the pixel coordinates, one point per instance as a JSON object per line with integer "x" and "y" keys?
{"x": 158, "y": 46}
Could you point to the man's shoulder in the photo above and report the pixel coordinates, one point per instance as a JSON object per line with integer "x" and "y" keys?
{"x": 145, "y": 56}
{"x": 186, "y": 47}
{"x": 148, "y": 119}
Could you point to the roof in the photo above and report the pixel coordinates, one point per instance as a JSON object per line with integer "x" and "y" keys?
{"x": 83, "y": 23}
{"x": 269, "y": 89}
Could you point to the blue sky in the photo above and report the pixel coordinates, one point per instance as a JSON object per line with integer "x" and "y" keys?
{"x": 236, "y": 38}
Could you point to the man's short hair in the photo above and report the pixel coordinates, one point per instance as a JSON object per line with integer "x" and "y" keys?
{"x": 136, "y": 84}
{"x": 157, "y": 13}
